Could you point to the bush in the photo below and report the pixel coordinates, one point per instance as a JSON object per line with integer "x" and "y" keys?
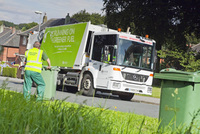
{"x": 10, "y": 72}
{"x": 181, "y": 60}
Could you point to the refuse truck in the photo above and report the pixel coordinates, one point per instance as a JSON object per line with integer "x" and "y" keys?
{"x": 95, "y": 58}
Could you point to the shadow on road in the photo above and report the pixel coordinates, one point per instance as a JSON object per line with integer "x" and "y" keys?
{"x": 98, "y": 93}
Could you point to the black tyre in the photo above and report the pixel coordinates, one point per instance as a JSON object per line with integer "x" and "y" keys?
{"x": 126, "y": 96}
{"x": 87, "y": 87}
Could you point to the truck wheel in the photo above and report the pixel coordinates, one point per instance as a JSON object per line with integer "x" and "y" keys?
{"x": 126, "y": 96}
{"x": 87, "y": 85}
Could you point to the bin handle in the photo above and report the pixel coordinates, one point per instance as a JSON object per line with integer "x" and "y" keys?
{"x": 45, "y": 68}
{"x": 51, "y": 69}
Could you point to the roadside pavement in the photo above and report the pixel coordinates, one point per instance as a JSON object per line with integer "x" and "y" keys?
{"x": 136, "y": 98}
{"x": 146, "y": 99}
{"x": 12, "y": 79}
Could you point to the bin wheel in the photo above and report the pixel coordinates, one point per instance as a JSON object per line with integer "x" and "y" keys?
{"x": 87, "y": 87}
{"x": 126, "y": 96}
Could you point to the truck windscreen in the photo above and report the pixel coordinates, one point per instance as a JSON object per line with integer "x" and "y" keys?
{"x": 134, "y": 54}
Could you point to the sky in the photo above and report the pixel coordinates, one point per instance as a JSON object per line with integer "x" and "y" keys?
{"x": 23, "y": 11}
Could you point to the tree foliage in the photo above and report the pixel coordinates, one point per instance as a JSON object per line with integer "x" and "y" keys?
{"x": 84, "y": 16}
{"x": 166, "y": 21}
{"x": 26, "y": 26}
{"x": 22, "y": 26}
{"x": 161, "y": 19}
{"x": 192, "y": 39}
{"x": 181, "y": 60}
{"x": 7, "y": 23}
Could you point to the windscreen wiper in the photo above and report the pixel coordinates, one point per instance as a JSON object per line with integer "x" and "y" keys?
{"x": 139, "y": 70}
{"x": 124, "y": 67}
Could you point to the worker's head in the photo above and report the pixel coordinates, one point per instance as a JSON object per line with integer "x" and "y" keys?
{"x": 36, "y": 44}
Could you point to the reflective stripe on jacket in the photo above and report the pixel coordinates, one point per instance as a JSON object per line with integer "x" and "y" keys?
{"x": 34, "y": 60}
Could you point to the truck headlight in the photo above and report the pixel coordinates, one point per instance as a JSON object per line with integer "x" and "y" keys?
{"x": 116, "y": 85}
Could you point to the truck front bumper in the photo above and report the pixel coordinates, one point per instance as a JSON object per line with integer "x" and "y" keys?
{"x": 123, "y": 86}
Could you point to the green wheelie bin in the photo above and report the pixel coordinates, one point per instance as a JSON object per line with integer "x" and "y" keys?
{"x": 180, "y": 99}
{"x": 50, "y": 79}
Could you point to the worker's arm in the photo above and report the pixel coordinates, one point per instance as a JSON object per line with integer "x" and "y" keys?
{"x": 23, "y": 64}
{"x": 45, "y": 58}
{"x": 49, "y": 63}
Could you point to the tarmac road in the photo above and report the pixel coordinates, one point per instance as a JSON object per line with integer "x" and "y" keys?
{"x": 139, "y": 104}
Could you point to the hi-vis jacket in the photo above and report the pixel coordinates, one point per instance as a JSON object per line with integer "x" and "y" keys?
{"x": 34, "y": 60}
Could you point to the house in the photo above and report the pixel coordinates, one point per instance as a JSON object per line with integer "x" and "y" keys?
{"x": 9, "y": 42}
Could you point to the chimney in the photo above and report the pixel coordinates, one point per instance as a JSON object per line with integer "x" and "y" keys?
{"x": 44, "y": 18}
{"x": 13, "y": 30}
{"x": 67, "y": 19}
{"x": 1, "y": 28}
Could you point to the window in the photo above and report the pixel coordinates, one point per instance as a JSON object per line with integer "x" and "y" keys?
{"x": 134, "y": 54}
{"x": 24, "y": 40}
{"x": 87, "y": 49}
{"x": 99, "y": 42}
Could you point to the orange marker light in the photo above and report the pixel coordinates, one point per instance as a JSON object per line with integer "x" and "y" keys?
{"x": 116, "y": 69}
{"x": 151, "y": 75}
{"x": 119, "y": 29}
{"x": 147, "y": 36}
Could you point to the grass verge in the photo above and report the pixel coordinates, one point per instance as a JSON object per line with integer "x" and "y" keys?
{"x": 59, "y": 117}
{"x": 19, "y": 116}
{"x": 155, "y": 93}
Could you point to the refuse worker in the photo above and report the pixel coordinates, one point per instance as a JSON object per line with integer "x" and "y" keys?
{"x": 33, "y": 68}
{"x": 105, "y": 57}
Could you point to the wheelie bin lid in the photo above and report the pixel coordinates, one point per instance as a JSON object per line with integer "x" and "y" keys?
{"x": 177, "y": 75}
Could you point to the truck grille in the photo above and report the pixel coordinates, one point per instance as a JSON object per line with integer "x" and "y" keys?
{"x": 134, "y": 77}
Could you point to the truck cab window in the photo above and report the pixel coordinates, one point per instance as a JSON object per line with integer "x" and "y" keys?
{"x": 100, "y": 41}
{"x": 88, "y": 44}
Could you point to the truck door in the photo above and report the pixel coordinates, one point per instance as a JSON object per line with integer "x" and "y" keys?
{"x": 101, "y": 54}
{"x": 103, "y": 75}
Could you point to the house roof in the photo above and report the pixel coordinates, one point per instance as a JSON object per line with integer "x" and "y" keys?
{"x": 13, "y": 41}
{"x": 9, "y": 38}
{"x": 49, "y": 23}
{"x": 5, "y": 35}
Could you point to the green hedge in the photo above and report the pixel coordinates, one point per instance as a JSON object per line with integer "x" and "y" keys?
{"x": 9, "y": 72}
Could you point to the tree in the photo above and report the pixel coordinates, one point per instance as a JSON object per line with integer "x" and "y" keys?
{"x": 192, "y": 39}
{"x": 188, "y": 61}
{"x": 22, "y": 26}
{"x": 7, "y": 24}
{"x": 84, "y": 16}
{"x": 96, "y": 18}
{"x": 26, "y": 26}
{"x": 166, "y": 21}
